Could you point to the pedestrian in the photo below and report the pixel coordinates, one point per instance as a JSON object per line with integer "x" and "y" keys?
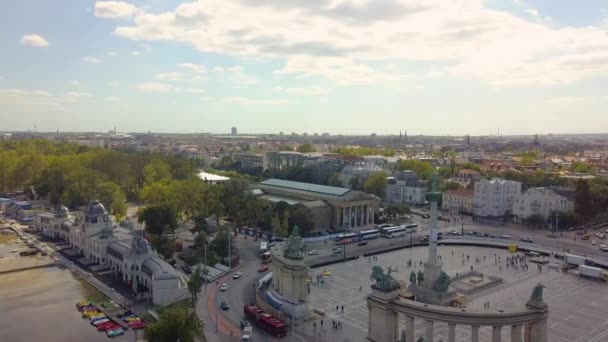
{"x": 314, "y": 325}
{"x": 333, "y": 324}
{"x": 336, "y": 308}
{"x": 360, "y": 288}
{"x": 342, "y": 308}
{"x": 321, "y": 323}
{"x": 500, "y": 267}
{"x": 339, "y": 324}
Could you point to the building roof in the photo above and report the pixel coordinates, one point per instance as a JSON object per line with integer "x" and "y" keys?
{"x": 462, "y": 192}
{"x": 322, "y": 189}
{"x": 96, "y": 209}
{"x": 160, "y": 269}
{"x": 314, "y": 204}
{"x": 118, "y": 250}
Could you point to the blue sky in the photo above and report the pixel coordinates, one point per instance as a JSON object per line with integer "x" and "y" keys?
{"x": 339, "y": 66}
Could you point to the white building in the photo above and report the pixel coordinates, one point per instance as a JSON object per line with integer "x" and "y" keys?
{"x": 541, "y": 201}
{"x": 360, "y": 172}
{"x": 122, "y": 250}
{"x": 250, "y": 161}
{"x": 494, "y": 198}
{"x": 374, "y": 159}
{"x": 405, "y": 188}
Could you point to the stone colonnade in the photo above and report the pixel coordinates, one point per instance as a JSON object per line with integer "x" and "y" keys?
{"x": 528, "y": 325}
{"x": 354, "y": 216}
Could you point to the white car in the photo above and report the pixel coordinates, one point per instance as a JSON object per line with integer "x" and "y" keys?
{"x": 594, "y": 242}
{"x": 237, "y": 275}
{"x": 224, "y": 287}
{"x": 603, "y": 248}
{"x": 313, "y": 252}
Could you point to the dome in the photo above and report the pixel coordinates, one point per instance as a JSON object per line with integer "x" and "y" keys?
{"x": 67, "y": 226}
{"x": 96, "y": 209}
{"x": 61, "y": 210}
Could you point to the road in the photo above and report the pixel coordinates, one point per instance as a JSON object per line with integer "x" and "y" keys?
{"x": 240, "y": 291}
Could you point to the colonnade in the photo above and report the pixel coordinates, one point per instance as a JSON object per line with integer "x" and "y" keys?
{"x": 354, "y": 216}
{"x": 385, "y": 311}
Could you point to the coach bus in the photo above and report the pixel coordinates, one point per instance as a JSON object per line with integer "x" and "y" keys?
{"x": 369, "y": 234}
{"x": 263, "y": 248}
{"x": 343, "y": 239}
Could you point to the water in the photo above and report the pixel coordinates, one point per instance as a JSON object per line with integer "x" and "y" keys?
{"x": 39, "y": 305}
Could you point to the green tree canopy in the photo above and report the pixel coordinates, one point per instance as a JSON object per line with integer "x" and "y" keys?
{"x": 422, "y": 169}
{"x": 306, "y": 148}
{"x": 157, "y": 217}
{"x": 376, "y": 184}
{"x": 583, "y": 206}
{"x": 175, "y": 324}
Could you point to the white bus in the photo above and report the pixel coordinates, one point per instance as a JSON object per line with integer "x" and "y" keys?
{"x": 369, "y": 234}
{"x": 395, "y": 232}
{"x": 263, "y": 248}
{"x": 343, "y": 239}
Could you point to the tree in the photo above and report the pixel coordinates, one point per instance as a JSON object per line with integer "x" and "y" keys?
{"x": 195, "y": 283}
{"x": 332, "y": 180}
{"x": 220, "y": 244}
{"x": 422, "y": 169}
{"x": 376, "y": 184}
{"x": 582, "y": 202}
{"x": 535, "y": 220}
{"x": 157, "y": 217}
{"x": 302, "y": 217}
{"x": 113, "y": 198}
{"x": 175, "y": 324}
{"x": 446, "y": 186}
{"x": 156, "y": 170}
{"x": 306, "y": 148}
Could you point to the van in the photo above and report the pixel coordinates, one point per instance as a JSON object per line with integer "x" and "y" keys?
{"x": 508, "y": 237}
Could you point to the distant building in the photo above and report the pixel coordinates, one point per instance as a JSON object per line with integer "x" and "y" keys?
{"x": 360, "y": 172}
{"x": 250, "y": 161}
{"x": 459, "y": 201}
{"x": 466, "y": 176}
{"x": 331, "y": 207}
{"x": 233, "y": 131}
{"x": 374, "y": 159}
{"x": 494, "y": 198}
{"x": 541, "y": 201}
{"x": 405, "y": 188}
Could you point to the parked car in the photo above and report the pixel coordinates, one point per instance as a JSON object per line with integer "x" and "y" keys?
{"x": 244, "y": 323}
{"x": 601, "y": 236}
{"x": 603, "y": 248}
{"x": 237, "y": 275}
{"x": 262, "y": 269}
{"x": 338, "y": 250}
{"x": 224, "y": 305}
{"x": 313, "y": 252}
{"x": 115, "y": 332}
{"x": 187, "y": 269}
{"x": 586, "y": 237}
{"x": 224, "y": 287}
{"x": 526, "y": 239}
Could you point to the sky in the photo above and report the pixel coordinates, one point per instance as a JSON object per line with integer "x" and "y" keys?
{"x": 339, "y": 66}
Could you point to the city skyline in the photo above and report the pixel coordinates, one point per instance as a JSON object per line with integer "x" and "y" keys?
{"x": 348, "y": 67}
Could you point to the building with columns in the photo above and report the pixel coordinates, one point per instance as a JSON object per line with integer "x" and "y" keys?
{"x": 332, "y": 208}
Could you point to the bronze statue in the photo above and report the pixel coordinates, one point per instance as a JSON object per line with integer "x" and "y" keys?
{"x": 294, "y": 247}
{"x": 384, "y": 281}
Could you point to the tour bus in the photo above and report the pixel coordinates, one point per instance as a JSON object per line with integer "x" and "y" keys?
{"x": 343, "y": 239}
{"x": 263, "y": 248}
{"x": 395, "y": 232}
{"x": 369, "y": 234}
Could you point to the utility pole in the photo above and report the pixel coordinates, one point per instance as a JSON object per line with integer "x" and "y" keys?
{"x": 229, "y": 252}
{"x": 205, "y": 276}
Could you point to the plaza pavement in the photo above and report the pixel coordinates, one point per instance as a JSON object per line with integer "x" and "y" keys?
{"x": 578, "y": 308}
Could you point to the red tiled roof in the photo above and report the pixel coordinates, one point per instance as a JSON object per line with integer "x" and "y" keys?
{"x": 462, "y": 192}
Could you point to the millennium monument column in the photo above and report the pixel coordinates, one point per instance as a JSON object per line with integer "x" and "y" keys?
{"x": 383, "y": 320}
{"x": 434, "y": 288}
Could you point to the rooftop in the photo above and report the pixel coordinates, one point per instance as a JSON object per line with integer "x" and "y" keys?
{"x": 322, "y": 189}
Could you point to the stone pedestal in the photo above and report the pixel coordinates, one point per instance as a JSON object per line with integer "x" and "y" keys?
{"x": 383, "y": 322}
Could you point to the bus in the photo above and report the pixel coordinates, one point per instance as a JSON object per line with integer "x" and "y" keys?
{"x": 399, "y": 231}
{"x": 369, "y": 234}
{"x": 263, "y": 248}
{"x": 411, "y": 227}
{"x": 343, "y": 239}
{"x": 269, "y": 323}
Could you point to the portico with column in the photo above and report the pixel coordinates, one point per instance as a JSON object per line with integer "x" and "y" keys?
{"x": 526, "y": 325}
{"x": 353, "y": 215}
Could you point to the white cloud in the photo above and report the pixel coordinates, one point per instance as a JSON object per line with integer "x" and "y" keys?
{"x": 250, "y": 101}
{"x": 190, "y": 90}
{"x": 112, "y": 53}
{"x": 114, "y": 9}
{"x": 114, "y": 84}
{"x": 75, "y": 83}
{"x": 533, "y": 12}
{"x": 345, "y": 40}
{"x": 92, "y": 60}
{"x": 176, "y": 76}
{"x": 198, "y": 68}
{"x": 35, "y": 40}
{"x": 135, "y": 53}
{"x": 314, "y": 90}
{"x": 155, "y": 87}
{"x": 113, "y": 98}
{"x": 28, "y": 97}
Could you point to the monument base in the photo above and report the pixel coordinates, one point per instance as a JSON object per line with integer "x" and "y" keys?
{"x": 431, "y": 296}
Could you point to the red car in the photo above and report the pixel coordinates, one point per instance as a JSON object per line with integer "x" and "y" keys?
{"x": 263, "y": 269}
{"x": 137, "y": 325}
{"x": 107, "y": 326}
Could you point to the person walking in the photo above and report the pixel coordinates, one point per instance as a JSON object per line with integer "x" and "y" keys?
{"x": 342, "y": 308}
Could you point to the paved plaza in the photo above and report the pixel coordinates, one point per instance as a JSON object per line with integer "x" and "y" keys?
{"x": 578, "y": 308}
